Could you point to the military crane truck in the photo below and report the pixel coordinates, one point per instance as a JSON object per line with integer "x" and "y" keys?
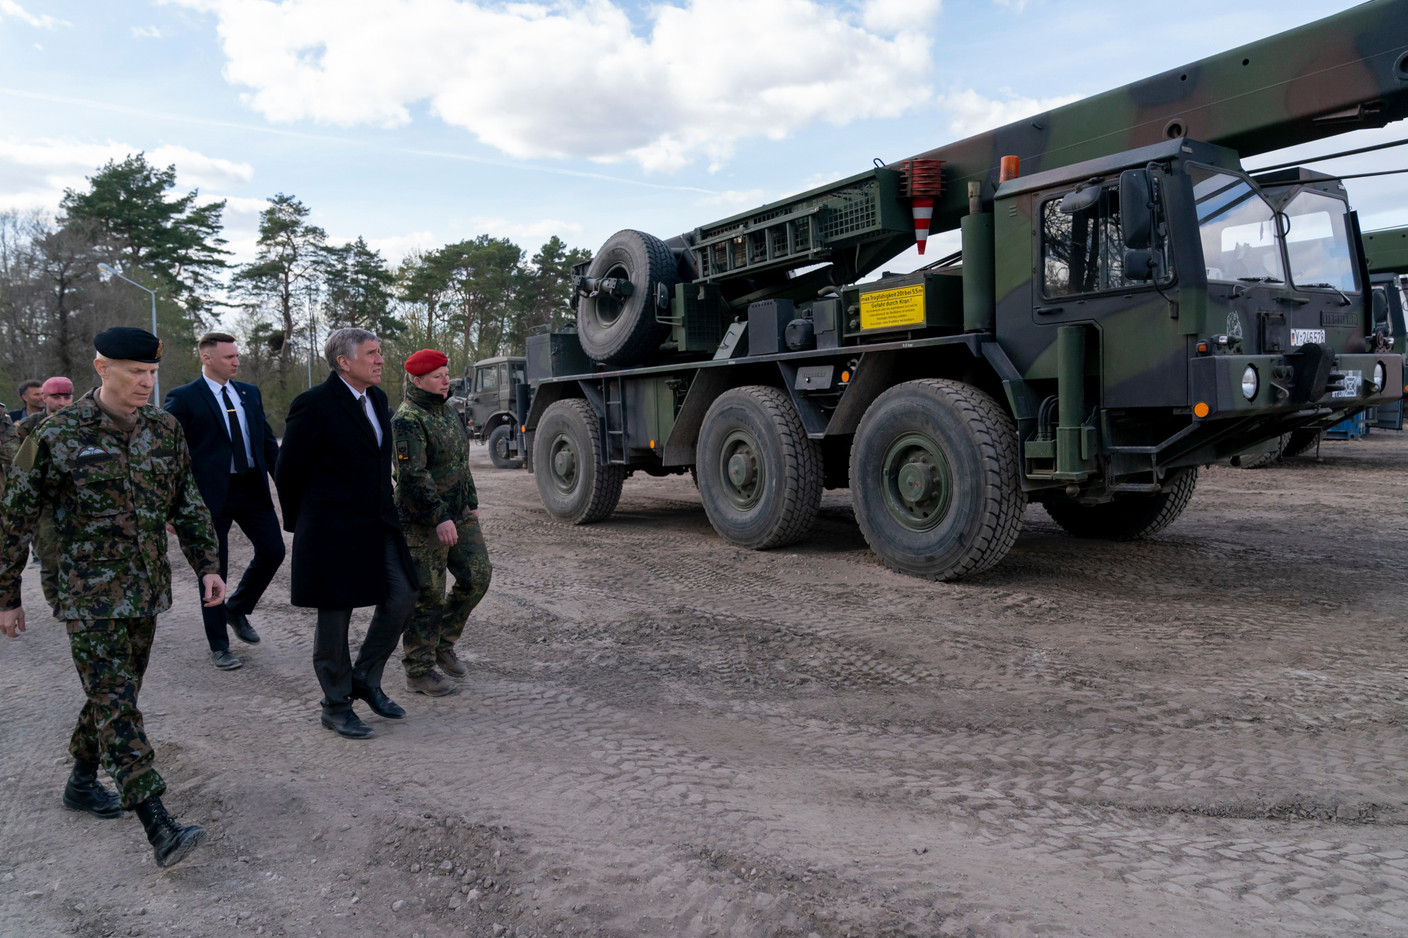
{"x": 1128, "y": 305}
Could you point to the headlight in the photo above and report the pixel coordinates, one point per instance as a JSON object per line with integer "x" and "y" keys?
{"x": 1250, "y": 382}
{"x": 1380, "y": 376}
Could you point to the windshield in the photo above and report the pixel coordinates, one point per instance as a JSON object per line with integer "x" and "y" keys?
{"x": 1317, "y": 241}
{"x": 1238, "y": 229}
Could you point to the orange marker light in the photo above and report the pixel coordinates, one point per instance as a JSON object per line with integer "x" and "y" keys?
{"x": 1201, "y": 410}
{"x": 652, "y": 444}
{"x": 845, "y": 377}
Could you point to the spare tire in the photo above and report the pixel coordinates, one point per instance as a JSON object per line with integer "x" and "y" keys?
{"x": 623, "y": 330}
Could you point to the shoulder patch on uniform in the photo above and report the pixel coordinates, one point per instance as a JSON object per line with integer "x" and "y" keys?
{"x": 403, "y": 450}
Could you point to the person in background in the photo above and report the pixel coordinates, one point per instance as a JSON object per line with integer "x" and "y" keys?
{"x": 334, "y": 481}
{"x": 232, "y": 452}
{"x": 57, "y": 394}
{"x": 437, "y": 503}
{"x": 31, "y": 400}
{"x": 115, "y": 471}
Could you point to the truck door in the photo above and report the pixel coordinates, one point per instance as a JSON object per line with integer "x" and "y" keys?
{"x": 1387, "y": 310}
{"x": 484, "y": 399}
{"x": 1081, "y": 278}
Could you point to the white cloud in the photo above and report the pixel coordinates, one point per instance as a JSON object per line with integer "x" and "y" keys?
{"x": 578, "y": 78}
{"x": 9, "y": 9}
{"x": 971, "y": 113}
{"x": 893, "y": 16}
{"x": 35, "y": 173}
{"x": 146, "y": 32}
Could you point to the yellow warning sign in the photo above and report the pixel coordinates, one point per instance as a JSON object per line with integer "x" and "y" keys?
{"x": 886, "y": 309}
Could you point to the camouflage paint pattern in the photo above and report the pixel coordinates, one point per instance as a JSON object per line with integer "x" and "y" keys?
{"x": 46, "y": 538}
{"x": 439, "y": 620}
{"x": 434, "y": 485}
{"x": 112, "y": 494}
{"x": 111, "y": 657}
{"x": 9, "y": 445}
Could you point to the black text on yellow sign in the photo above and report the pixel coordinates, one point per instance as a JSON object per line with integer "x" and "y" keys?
{"x": 885, "y": 309}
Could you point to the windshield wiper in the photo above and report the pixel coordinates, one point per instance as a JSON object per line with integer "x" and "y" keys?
{"x": 1327, "y": 286}
{"x": 1262, "y": 280}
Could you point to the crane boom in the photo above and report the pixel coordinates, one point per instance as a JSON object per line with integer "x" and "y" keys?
{"x": 1347, "y": 71}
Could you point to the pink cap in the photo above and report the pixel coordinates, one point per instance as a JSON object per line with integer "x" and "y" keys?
{"x": 57, "y": 386}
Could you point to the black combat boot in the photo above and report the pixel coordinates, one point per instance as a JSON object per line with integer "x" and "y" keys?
{"x": 83, "y": 793}
{"x": 171, "y": 841}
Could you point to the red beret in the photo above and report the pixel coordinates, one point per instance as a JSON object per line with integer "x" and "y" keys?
{"x": 425, "y": 361}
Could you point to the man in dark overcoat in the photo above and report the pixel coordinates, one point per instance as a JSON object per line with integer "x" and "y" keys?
{"x": 334, "y": 482}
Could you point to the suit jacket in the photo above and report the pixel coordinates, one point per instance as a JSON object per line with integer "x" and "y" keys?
{"x": 208, "y": 435}
{"x": 335, "y": 489}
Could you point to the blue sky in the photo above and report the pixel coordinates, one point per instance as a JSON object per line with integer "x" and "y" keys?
{"x": 415, "y": 123}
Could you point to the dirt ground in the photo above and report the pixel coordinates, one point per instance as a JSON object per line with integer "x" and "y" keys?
{"x": 661, "y": 735}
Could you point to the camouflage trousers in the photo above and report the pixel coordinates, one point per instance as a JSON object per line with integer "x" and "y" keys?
{"x": 111, "y": 657}
{"x": 439, "y": 620}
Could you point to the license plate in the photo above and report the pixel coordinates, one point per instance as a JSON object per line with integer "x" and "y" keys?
{"x": 1352, "y": 382}
{"x": 1301, "y": 336}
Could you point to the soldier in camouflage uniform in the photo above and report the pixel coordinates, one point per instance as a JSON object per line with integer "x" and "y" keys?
{"x": 115, "y": 471}
{"x": 57, "y": 394}
{"x": 436, "y": 501}
{"x": 9, "y": 445}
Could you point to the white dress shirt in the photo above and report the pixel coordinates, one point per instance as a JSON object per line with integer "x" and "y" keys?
{"x": 366, "y": 407}
{"x": 238, "y": 405}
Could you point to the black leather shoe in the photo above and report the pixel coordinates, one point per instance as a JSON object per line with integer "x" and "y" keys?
{"x": 170, "y": 840}
{"x": 346, "y": 723}
{"x": 83, "y": 793}
{"x": 239, "y": 624}
{"x": 382, "y": 705}
{"x": 225, "y": 661}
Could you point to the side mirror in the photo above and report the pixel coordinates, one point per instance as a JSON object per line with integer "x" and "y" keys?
{"x": 1136, "y": 209}
{"x": 1140, "y": 265}
{"x": 1078, "y": 200}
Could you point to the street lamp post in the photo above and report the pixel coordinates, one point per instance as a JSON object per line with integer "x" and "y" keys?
{"x": 109, "y": 271}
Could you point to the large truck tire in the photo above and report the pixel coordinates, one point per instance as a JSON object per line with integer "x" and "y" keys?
{"x": 624, "y": 331}
{"x": 1128, "y": 517}
{"x": 572, "y": 483}
{"x": 500, "y": 439}
{"x": 759, "y": 475}
{"x": 934, "y": 479}
{"x": 1302, "y": 442}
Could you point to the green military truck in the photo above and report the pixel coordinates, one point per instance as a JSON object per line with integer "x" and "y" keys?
{"x": 1129, "y": 304}
{"x": 492, "y": 397}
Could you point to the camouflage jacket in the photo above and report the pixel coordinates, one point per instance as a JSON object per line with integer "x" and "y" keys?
{"x": 28, "y": 425}
{"x": 433, "y": 482}
{"x": 112, "y": 494}
{"x": 9, "y": 445}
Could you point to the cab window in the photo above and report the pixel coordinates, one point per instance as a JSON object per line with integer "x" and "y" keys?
{"x": 1238, "y": 230}
{"x": 1083, "y": 251}
{"x": 486, "y": 379}
{"x": 1317, "y": 242}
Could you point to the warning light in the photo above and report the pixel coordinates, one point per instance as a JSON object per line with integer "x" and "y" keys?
{"x": 845, "y": 377}
{"x": 652, "y": 444}
{"x": 1009, "y": 168}
{"x": 1201, "y": 409}
{"x": 1203, "y": 347}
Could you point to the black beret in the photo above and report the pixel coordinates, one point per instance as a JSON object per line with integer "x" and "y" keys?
{"x": 127, "y": 343}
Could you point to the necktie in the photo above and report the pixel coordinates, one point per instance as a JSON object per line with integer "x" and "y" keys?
{"x": 366, "y": 414}
{"x": 236, "y": 436}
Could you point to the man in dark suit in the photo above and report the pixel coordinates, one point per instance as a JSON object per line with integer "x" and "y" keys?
{"x": 232, "y": 449}
{"x": 334, "y": 480}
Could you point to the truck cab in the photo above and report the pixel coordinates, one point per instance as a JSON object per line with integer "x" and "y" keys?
{"x": 492, "y": 396}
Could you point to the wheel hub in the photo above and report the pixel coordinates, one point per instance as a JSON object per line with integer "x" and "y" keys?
{"x": 742, "y": 469}
{"x": 918, "y": 482}
{"x": 744, "y": 475}
{"x": 564, "y": 466}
